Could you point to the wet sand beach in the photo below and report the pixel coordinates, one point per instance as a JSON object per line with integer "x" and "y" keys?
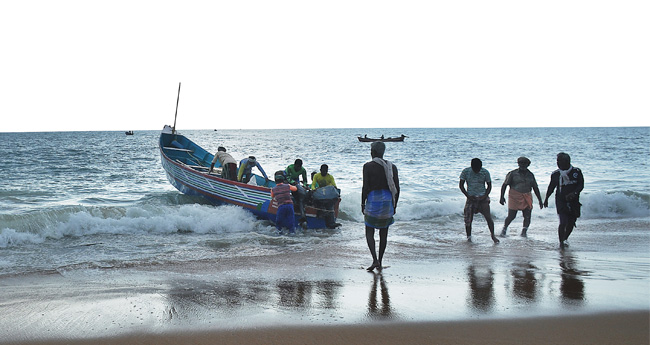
{"x": 459, "y": 294}
{"x": 615, "y": 328}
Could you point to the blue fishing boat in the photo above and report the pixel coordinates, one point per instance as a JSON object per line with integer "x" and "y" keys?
{"x": 187, "y": 167}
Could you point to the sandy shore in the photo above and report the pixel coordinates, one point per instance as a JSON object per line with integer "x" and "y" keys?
{"x": 613, "y": 328}
{"x": 519, "y": 292}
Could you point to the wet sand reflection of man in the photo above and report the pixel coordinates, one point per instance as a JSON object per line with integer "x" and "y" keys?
{"x": 572, "y": 287}
{"x": 524, "y": 281}
{"x": 307, "y": 294}
{"x": 379, "y": 308}
{"x": 294, "y": 294}
{"x": 481, "y": 281}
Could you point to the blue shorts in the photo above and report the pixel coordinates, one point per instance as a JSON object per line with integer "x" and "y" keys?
{"x": 285, "y": 217}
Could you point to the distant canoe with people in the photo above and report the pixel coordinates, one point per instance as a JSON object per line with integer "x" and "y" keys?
{"x": 365, "y": 139}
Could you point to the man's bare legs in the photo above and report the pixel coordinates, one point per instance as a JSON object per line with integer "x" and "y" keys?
{"x": 490, "y": 222}
{"x": 383, "y": 241}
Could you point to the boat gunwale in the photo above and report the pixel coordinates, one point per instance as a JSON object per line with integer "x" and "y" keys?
{"x": 212, "y": 177}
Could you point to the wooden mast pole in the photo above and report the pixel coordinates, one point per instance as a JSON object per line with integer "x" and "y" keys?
{"x": 176, "y": 114}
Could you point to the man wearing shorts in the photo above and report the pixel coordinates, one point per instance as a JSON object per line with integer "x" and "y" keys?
{"x": 479, "y": 186}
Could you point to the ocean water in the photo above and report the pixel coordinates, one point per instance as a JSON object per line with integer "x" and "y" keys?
{"x": 73, "y": 201}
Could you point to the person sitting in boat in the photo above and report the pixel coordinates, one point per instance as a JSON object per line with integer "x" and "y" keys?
{"x": 313, "y": 184}
{"x": 322, "y": 178}
{"x": 281, "y": 194}
{"x": 293, "y": 172}
{"x": 246, "y": 169}
{"x": 228, "y": 164}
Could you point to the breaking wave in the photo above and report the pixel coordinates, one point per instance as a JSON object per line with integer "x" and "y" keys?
{"x": 171, "y": 212}
{"x": 76, "y": 221}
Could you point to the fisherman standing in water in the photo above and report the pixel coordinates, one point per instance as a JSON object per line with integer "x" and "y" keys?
{"x": 293, "y": 173}
{"x": 281, "y": 194}
{"x": 569, "y": 183}
{"x": 379, "y": 196}
{"x": 521, "y": 181}
{"x": 478, "y": 200}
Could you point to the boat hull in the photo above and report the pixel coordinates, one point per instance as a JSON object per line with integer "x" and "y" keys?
{"x": 182, "y": 161}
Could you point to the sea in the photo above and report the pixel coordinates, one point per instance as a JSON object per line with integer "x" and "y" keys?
{"x": 100, "y": 200}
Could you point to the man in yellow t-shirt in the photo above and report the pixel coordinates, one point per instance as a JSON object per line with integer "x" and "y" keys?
{"x": 322, "y": 178}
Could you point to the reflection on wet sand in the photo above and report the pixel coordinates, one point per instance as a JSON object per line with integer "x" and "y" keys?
{"x": 379, "y": 304}
{"x": 527, "y": 283}
{"x": 299, "y": 294}
{"x": 572, "y": 286}
{"x": 189, "y": 300}
{"x": 524, "y": 281}
{"x": 200, "y": 298}
{"x": 481, "y": 280}
{"x": 294, "y": 294}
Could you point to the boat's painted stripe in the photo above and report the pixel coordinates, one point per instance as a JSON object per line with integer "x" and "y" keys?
{"x": 215, "y": 188}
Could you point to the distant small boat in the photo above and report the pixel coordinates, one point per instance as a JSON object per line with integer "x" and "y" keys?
{"x": 365, "y": 139}
{"x": 128, "y": 132}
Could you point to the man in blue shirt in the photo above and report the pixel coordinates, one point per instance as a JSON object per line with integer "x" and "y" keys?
{"x": 246, "y": 169}
{"x": 477, "y": 193}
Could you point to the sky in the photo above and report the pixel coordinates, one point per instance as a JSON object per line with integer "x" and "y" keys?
{"x": 116, "y": 65}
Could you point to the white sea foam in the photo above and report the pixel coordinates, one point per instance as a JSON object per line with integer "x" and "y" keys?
{"x": 11, "y": 237}
{"x": 614, "y": 205}
{"x": 596, "y": 205}
{"x": 199, "y": 219}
